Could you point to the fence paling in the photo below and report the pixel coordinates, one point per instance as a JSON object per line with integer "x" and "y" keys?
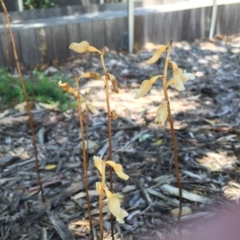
{"x": 109, "y": 31}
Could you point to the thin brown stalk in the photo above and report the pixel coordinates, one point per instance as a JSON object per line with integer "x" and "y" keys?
{"x": 109, "y": 111}
{"x": 101, "y": 199}
{"x": 6, "y": 46}
{"x": 109, "y": 133}
{"x": 30, "y": 118}
{"x": 87, "y": 112}
{"x": 85, "y": 178}
{"x": 174, "y": 140}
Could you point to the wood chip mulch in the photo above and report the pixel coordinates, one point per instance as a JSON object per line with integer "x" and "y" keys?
{"x": 207, "y": 120}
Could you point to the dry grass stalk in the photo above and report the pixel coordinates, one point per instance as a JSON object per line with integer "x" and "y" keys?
{"x": 30, "y": 118}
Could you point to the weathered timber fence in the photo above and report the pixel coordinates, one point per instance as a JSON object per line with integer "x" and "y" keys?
{"x": 12, "y": 5}
{"x": 43, "y": 40}
{"x": 67, "y": 8}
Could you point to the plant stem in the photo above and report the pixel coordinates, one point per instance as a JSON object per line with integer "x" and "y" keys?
{"x": 109, "y": 134}
{"x": 30, "y": 118}
{"x": 108, "y": 110}
{"x": 174, "y": 140}
{"x": 101, "y": 199}
{"x": 6, "y": 47}
{"x": 85, "y": 177}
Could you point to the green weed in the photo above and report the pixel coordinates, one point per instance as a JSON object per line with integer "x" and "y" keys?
{"x": 40, "y": 88}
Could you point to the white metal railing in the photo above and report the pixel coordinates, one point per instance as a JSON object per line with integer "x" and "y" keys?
{"x": 180, "y": 5}
{"x": 130, "y": 25}
{"x": 213, "y": 20}
{"x": 20, "y": 5}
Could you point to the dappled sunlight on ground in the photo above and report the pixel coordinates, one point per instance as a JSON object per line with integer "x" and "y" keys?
{"x": 206, "y": 122}
{"x": 217, "y": 161}
{"x": 221, "y": 161}
{"x": 232, "y": 191}
{"x": 125, "y": 104}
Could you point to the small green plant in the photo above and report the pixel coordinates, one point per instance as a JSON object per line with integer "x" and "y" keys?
{"x": 35, "y": 4}
{"x": 10, "y": 89}
{"x": 40, "y": 88}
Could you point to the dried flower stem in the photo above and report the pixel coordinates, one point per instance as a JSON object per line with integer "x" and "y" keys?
{"x": 174, "y": 140}
{"x": 101, "y": 199}
{"x": 85, "y": 177}
{"x": 30, "y": 118}
{"x": 6, "y": 46}
{"x": 109, "y": 134}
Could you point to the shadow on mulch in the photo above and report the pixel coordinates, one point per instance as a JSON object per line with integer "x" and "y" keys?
{"x": 207, "y": 118}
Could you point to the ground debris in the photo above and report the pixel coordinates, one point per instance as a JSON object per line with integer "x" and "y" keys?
{"x": 207, "y": 120}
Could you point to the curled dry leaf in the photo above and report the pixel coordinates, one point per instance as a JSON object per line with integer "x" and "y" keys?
{"x": 114, "y": 115}
{"x": 118, "y": 169}
{"x": 157, "y": 54}
{"x": 114, "y": 82}
{"x": 66, "y": 87}
{"x": 93, "y": 75}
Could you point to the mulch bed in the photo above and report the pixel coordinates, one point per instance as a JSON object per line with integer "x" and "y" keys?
{"x": 207, "y": 120}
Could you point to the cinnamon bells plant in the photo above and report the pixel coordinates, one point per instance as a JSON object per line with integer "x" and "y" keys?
{"x": 102, "y": 189}
{"x": 84, "y": 47}
{"x": 84, "y": 104}
{"x": 113, "y": 200}
{"x": 178, "y": 79}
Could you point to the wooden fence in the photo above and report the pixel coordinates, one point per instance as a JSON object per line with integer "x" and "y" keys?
{"x": 64, "y": 11}
{"x": 12, "y": 5}
{"x": 44, "y": 40}
{"x": 82, "y": 8}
